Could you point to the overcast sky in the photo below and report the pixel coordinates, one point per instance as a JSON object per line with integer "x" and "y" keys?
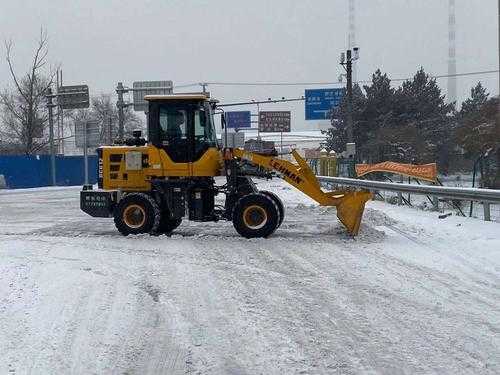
{"x": 101, "y": 42}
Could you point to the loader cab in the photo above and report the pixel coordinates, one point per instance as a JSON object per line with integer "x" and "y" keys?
{"x": 182, "y": 125}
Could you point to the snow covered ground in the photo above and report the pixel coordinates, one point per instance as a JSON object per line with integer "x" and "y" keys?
{"x": 411, "y": 294}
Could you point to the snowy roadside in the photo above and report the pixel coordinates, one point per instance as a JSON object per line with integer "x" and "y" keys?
{"x": 411, "y": 294}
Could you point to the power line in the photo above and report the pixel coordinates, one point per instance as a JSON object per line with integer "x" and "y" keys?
{"x": 262, "y": 102}
{"x": 319, "y": 83}
{"x": 186, "y": 85}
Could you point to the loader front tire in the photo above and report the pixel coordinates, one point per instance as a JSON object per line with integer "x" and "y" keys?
{"x": 279, "y": 204}
{"x": 255, "y": 215}
{"x": 137, "y": 213}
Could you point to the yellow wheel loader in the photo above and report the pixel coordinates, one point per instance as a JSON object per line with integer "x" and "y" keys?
{"x": 150, "y": 187}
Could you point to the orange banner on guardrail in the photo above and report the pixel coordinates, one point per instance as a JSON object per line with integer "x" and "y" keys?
{"x": 426, "y": 172}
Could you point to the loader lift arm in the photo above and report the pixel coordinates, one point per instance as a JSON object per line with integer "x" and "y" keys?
{"x": 350, "y": 204}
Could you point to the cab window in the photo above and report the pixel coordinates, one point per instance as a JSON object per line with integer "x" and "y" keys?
{"x": 173, "y": 125}
{"x": 185, "y": 129}
{"x": 173, "y": 133}
{"x": 204, "y": 134}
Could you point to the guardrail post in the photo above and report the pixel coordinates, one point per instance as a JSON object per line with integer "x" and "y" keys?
{"x": 435, "y": 202}
{"x": 400, "y": 194}
{"x": 486, "y": 209}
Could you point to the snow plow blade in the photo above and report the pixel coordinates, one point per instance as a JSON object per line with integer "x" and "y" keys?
{"x": 350, "y": 203}
{"x": 350, "y": 209}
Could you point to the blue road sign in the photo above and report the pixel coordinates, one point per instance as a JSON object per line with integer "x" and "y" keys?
{"x": 319, "y": 102}
{"x": 238, "y": 119}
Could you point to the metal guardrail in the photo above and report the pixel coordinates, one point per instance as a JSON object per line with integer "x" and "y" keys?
{"x": 459, "y": 193}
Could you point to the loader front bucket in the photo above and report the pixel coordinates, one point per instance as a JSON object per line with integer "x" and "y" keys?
{"x": 350, "y": 209}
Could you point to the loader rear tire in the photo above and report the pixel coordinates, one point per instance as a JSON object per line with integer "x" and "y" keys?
{"x": 279, "y": 203}
{"x": 167, "y": 225}
{"x": 137, "y": 213}
{"x": 255, "y": 215}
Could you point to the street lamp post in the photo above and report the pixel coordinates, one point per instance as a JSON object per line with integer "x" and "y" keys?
{"x": 346, "y": 62}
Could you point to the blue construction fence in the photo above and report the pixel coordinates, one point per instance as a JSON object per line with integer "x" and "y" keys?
{"x": 34, "y": 171}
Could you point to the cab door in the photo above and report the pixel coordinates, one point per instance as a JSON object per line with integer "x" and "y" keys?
{"x": 174, "y": 133}
{"x": 206, "y": 160}
{"x": 168, "y": 124}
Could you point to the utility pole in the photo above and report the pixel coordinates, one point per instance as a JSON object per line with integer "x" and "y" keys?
{"x": 60, "y": 115}
{"x": 452, "y": 61}
{"x": 85, "y": 153}
{"x": 350, "y": 137}
{"x": 61, "y": 136}
{"x": 346, "y": 61}
{"x": 258, "y": 119}
{"x": 50, "y": 107}
{"x": 110, "y": 131}
{"x": 58, "y": 119}
{"x": 120, "y": 104}
{"x": 352, "y": 33}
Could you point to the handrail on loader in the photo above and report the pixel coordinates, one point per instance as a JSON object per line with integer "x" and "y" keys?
{"x": 350, "y": 204}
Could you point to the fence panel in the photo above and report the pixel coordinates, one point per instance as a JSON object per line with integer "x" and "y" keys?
{"x": 34, "y": 171}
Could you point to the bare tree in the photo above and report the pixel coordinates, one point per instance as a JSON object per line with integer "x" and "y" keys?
{"x": 104, "y": 111}
{"x": 23, "y": 111}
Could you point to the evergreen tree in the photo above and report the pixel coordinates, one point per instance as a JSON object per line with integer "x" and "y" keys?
{"x": 478, "y": 127}
{"x": 473, "y": 104}
{"x": 419, "y": 104}
{"x": 336, "y": 136}
{"x": 412, "y": 123}
{"x": 378, "y": 114}
{"x": 419, "y": 101}
{"x": 379, "y": 99}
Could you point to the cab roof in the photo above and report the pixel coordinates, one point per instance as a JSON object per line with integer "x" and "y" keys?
{"x": 193, "y": 96}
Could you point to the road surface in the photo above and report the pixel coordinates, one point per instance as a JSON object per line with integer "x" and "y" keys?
{"x": 411, "y": 294}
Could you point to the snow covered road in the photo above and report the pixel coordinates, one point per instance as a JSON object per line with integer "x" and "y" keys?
{"x": 411, "y": 294}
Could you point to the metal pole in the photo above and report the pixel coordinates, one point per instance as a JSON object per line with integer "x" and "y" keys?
{"x": 409, "y": 194}
{"x": 498, "y": 60}
{"x": 110, "y": 132}
{"x": 61, "y": 136}
{"x": 120, "y": 104}
{"x": 400, "y": 194}
{"x": 281, "y": 140}
{"x": 50, "y": 106}
{"x": 452, "y": 61}
{"x": 352, "y": 32}
{"x": 349, "y": 129}
{"x": 225, "y": 133}
{"x": 85, "y": 154}
{"x": 473, "y": 182}
{"x": 258, "y": 119}
{"x": 58, "y": 119}
{"x": 486, "y": 210}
